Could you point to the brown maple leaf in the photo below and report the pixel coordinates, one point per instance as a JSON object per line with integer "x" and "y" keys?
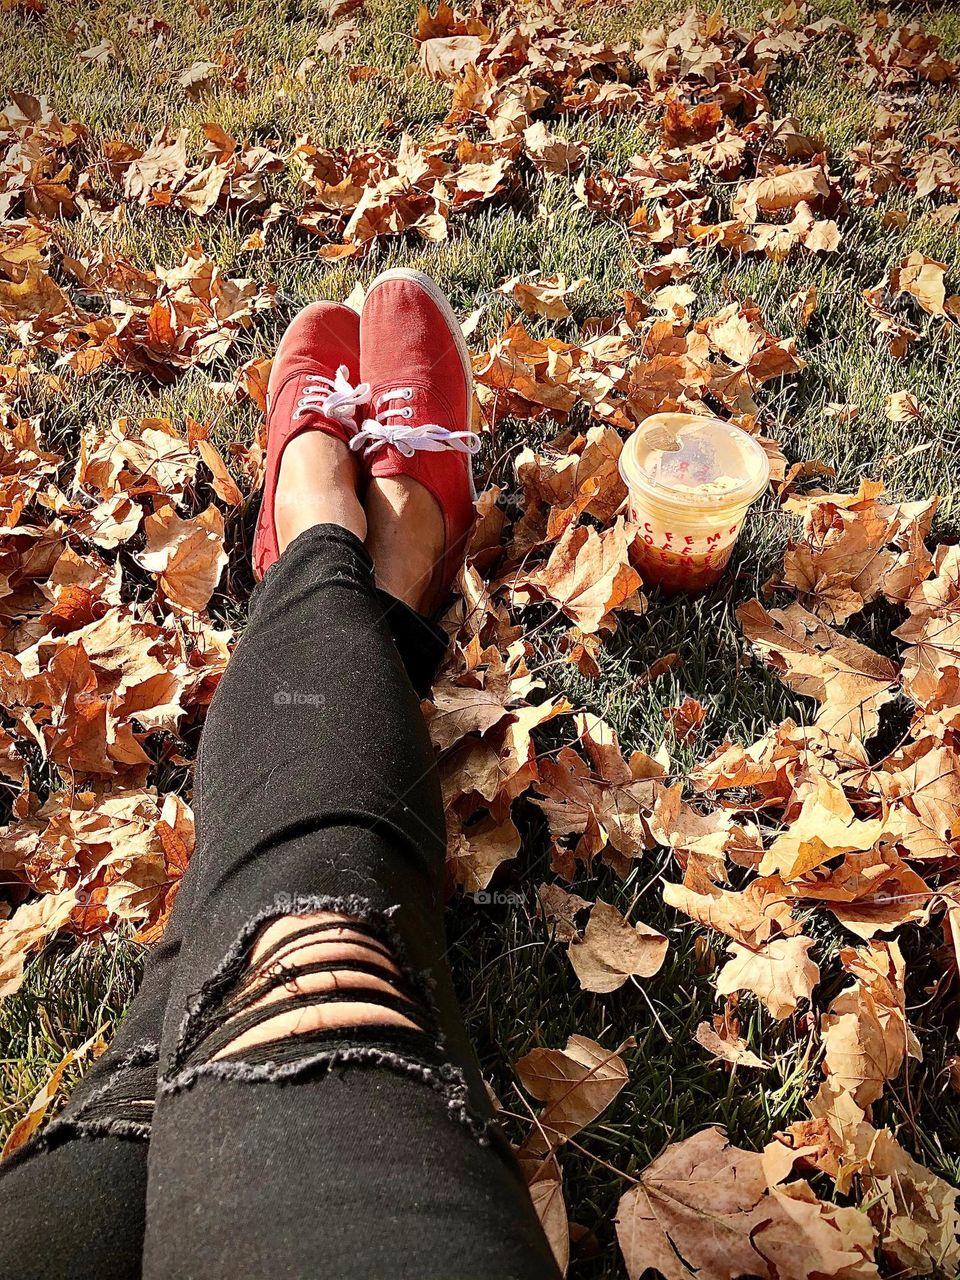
{"x": 612, "y": 950}
{"x": 851, "y": 682}
{"x": 704, "y": 1210}
{"x": 588, "y": 576}
{"x": 577, "y": 1083}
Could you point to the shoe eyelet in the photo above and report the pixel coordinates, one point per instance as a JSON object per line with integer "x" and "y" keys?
{"x": 408, "y": 412}
{"x": 408, "y": 393}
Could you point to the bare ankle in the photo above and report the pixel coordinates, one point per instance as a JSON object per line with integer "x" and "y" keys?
{"x": 406, "y": 540}
{"x": 318, "y": 484}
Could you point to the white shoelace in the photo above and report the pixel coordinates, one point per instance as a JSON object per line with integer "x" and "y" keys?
{"x": 377, "y": 431}
{"x": 335, "y": 397}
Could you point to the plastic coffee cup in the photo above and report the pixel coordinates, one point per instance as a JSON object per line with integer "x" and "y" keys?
{"x": 691, "y": 480}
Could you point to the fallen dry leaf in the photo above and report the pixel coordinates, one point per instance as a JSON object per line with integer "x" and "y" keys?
{"x": 686, "y": 720}
{"x": 550, "y": 152}
{"x": 780, "y": 973}
{"x": 903, "y": 406}
{"x": 558, "y": 910}
{"x": 186, "y": 556}
{"x": 923, "y": 279}
{"x": 856, "y": 547}
{"x": 613, "y": 950}
{"x": 865, "y": 1033}
{"x": 704, "y": 1209}
{"x": 546, "y": 1192}
{"x": 728, "y": 1048}
{"x": 914, "y": 1210}
{"x": 824, "y": 827}
{"x": 546, "y": 296}
{"x": 850, "y": 681}
{"x": 477, "y": 852}
{"x": 752, "y": 917}
{"x": 577, "y": 1083}
{"x": 587, "y": 576}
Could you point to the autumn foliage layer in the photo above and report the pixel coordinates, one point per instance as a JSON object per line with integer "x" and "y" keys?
{"x": 803, "y": 867}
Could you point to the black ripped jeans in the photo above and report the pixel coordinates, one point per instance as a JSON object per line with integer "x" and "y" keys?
{"x": 356, "y": 1152}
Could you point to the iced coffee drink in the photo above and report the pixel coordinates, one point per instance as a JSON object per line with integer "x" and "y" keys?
{"x": 690, "y": 480}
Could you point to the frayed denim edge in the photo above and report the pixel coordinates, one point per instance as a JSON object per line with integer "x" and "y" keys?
{"x": 447, "y": 1080}
{"x": 65, "y": 1126}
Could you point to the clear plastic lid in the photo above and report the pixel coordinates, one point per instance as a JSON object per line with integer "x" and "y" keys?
{"x": 687, "y": 460}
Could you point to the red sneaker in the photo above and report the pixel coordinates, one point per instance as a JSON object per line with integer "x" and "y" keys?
{"x": 314, "y": 386}
{"x": 415, "y": 362}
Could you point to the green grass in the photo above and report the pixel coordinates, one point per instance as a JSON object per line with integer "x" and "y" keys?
{"x": 68, "y": 995}
{"x": 517, "y": 985}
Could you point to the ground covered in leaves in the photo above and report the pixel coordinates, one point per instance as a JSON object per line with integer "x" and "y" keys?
{"x": 705, "y": 909}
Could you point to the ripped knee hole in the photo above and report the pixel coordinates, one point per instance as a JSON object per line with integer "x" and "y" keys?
{"x": 315, "y": 988}
{"x": 320, "y": 976}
